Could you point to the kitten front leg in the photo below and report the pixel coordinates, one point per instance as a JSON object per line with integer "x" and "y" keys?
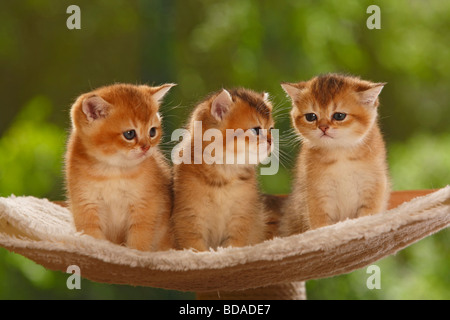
{"x": 246, "y": 229}
{"x": 365, "y": 210}
{"x": 87, "y": 220}
{"x": 187, "y": 230}
{"x": 237, "y": 238}
{"x": 142, "y": 228}
{"x": 318, "y": 216}
{"x": 295, "y": 216}
{"x": 188, "y": 237}
{"x": 375, "y": 203}
{"x": 192, "y": 241}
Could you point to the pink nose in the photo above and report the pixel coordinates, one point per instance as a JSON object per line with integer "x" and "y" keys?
{"x": 324, "y": 128}
{"x": 145, "y": 147}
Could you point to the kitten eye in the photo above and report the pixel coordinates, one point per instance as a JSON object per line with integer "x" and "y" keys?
{"x": 130, "y": 134}
{"x": 256, "y": 130}
{"x": 153, "y": 132}
{"x": 339, "y": 116}
{"x": 310, "y": 117}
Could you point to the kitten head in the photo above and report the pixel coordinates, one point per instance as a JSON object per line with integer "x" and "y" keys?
{"x": 119, "y": 125}
{"x": 333, "y": 110}
{"x": 243, "y": 119}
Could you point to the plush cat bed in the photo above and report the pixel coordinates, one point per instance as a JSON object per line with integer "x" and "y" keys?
{"x": 43, "y": 232}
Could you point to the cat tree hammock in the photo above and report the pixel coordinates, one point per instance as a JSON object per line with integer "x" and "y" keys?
{"x": 275, "y": 269}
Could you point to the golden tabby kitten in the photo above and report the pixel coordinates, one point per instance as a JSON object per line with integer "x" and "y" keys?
{"x": 341, "y": 171}
{"x": 117, "y": 179}
{"x": 217, "y": 203}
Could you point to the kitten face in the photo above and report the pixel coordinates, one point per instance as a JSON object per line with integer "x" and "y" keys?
{"x": 333, "y": 111}
{"x": 120, "y": 124}
{"x": 244, "y": 120}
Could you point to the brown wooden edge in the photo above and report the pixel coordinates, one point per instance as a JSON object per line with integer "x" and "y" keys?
{"x": 399, "y": 197}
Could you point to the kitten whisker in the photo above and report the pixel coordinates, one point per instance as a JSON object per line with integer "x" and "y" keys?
{"x": 281, "y": 109}
{"x": 179, "y": 106}
{"x": 280, "y": 157}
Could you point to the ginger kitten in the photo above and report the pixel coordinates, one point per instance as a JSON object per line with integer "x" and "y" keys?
{"x": 341, "y": 170}
{"x": 118, "y": 181}
{"x": 218, "y": 203}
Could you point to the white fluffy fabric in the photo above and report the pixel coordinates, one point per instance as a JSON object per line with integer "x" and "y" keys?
{"x": 44, "y": 232}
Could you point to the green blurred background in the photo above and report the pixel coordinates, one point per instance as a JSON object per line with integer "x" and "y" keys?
{"x": 205, "y": 45}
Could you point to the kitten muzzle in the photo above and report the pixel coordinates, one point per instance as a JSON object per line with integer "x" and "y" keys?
{"x": 324, "y": 128}
{"x": 145, "y": 148}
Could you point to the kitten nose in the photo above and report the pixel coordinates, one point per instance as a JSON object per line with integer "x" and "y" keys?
{"x": 145, "y": 147}
{"x": 324, "y": 128}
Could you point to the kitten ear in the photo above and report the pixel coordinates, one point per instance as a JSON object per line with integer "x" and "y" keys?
{"x": 370, "y": 96}
{"x": 158, "y": 93}
{"x": 221, "y": 105}
{"x": 95, "y": 107}
{"x": 266, "y": 99}
{"x": 293, "y": 89}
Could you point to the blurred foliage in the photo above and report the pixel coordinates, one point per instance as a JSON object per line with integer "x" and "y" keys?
{"x": 203, "y": 46}
{"x": 32, "y": 153}
{"x": 423, "y": 162}
{"x": 21, "y": 278}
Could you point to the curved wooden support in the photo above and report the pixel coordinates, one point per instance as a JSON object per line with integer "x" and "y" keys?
{"x": 399, "y": 197}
